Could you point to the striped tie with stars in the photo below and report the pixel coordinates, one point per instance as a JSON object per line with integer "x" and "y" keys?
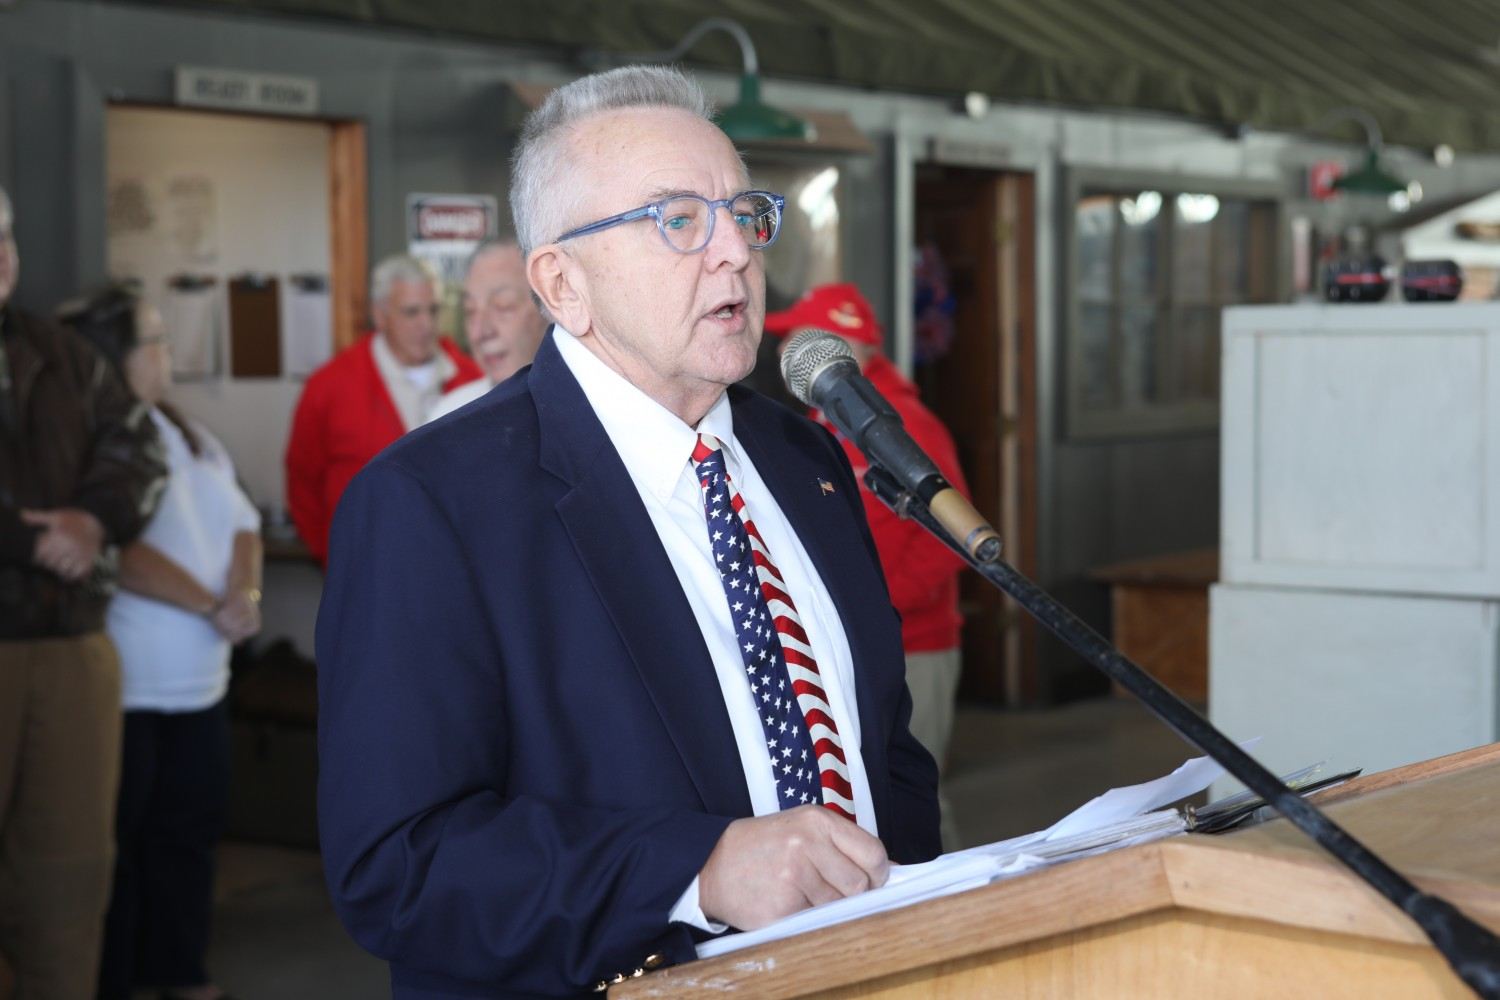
{"x": 806, "y": 754}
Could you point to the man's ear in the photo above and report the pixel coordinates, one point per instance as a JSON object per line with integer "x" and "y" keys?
{"x": 561, "y": 286}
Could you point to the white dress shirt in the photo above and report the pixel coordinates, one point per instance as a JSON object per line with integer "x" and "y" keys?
{"x": 414, "y": 389}
{"x": 656, "y": 447}
{"x": 456, "y": 398}
{"x": 171, "y": 659}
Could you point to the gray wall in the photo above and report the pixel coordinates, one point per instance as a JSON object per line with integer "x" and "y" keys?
{"x": 440, "y": 118}
{"x": 439, "y": 115}
{"x": 1102, "y": 501}
{"x": 436, "y": 113}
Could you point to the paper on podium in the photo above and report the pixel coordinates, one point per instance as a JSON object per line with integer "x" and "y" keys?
{"x": 1118, "y": 818}
{"x": 1116, "y": 804}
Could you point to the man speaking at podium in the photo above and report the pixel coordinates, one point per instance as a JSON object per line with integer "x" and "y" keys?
{"x": 633, "y": 675}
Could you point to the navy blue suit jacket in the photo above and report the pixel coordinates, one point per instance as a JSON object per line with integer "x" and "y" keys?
{"x": 525, "y": 756}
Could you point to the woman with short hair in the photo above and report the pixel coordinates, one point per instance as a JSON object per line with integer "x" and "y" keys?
{"x": 189, "y": 588}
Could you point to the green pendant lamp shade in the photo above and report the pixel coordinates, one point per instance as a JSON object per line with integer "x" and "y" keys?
{"x": 749, "y": 118}
{"x": 1370, "y": 178}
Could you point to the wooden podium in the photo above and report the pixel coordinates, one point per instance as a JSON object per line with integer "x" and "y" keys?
{"x": 1259, "y": 913}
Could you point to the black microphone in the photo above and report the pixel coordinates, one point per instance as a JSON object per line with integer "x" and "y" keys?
{"x": 819, "y": 369}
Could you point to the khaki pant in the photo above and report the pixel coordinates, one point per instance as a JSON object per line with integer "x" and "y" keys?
{"x": 59, "y": 770}
{"x": 932, "y": 679}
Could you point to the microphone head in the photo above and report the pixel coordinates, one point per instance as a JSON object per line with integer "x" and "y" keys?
{"x": 809, "y": 354}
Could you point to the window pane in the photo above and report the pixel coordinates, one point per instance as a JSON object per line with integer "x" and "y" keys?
{"x": 1192, "y": 247}
{"x": 1140, "y": 218}
{"x": 1232, "y": 255}
{"x": 1098, "y": 388}
{"x": 1139, "y": 333}
{"x": 1154, "y": 270}
{"x": 1260, "y": 253}
{"x": 1194, "y": 372}
{"x": 1094, "y": 225}
{"x": 810, "y": 249}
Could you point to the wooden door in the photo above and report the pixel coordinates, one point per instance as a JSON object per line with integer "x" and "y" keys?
{"x": 348, "y": 204}
{"x": 983, "y": 387}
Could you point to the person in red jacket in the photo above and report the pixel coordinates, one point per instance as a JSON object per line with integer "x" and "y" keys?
{"x": 368, "y": 395}
{"x": 921, "y": 574}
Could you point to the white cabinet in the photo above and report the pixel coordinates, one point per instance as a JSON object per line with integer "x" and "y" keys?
{"x": 1359, "y": 680}
{"x": 1360, "y": 448}
{"x": 1355, "y": 620}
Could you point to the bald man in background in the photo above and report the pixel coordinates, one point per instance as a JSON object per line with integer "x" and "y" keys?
{"x": 501, "y": 318}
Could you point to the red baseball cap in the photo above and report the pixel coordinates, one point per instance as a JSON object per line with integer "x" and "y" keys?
{"x": 839, "y": 309}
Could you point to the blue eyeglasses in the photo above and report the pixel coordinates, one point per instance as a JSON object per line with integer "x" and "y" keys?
{"x": 686, "y": 221}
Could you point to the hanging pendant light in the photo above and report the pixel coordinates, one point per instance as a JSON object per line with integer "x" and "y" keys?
{"x": 1370, "y": 177}
{"x": 748, "y": 119}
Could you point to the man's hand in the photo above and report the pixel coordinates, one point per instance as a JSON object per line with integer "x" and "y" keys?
{"x": 69, "y": 543}
{"x": 763, "y": 869}
{"x": 237, "y": 617}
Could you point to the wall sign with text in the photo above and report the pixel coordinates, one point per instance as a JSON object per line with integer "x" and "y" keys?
{"x": 236, "y": 90}
{"x": 443, "y": 230}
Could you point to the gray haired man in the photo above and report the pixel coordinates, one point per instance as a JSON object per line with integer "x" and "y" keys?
{"x": 81, "y": 472}
{"x": 605, "y": 660}
{"x": 368, "y": 395}
{"x": 501, "y": 318}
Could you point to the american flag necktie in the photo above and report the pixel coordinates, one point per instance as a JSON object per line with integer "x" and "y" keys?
{"x": 806, "y": 755}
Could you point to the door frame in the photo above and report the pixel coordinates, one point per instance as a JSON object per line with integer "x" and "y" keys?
{"x": 1028, "y": 263}
{"x": 348, "y": 208}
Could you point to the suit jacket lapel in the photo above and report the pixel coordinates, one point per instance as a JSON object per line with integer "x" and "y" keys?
{"x": 620, "y": 550}
{"x": 831, "y": 536}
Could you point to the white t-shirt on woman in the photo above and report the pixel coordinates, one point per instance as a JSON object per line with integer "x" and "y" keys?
{"x": 174, "y": 660}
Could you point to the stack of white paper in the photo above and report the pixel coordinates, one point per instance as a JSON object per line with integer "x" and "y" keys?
{"x": 1118, "y": 818}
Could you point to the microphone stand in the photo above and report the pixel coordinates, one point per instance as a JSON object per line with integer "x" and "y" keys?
{"x": 1472, "y": 950}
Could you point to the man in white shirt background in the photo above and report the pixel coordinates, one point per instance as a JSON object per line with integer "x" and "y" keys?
{"x": 501, "y": 319}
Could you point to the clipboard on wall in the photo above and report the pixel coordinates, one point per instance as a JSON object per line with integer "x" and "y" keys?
{"x": 191, "y": 309}
{"x": 307, "y": 325}
{"x": 254, "y": 326}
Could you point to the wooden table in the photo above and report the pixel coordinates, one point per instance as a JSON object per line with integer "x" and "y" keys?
{"x": 1159, "y": 609}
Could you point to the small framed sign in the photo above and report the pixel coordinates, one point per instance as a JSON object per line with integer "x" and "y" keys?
{"x": 236, "y": 90}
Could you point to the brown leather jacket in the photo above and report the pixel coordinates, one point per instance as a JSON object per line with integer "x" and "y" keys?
{"x": 71, "y": 435}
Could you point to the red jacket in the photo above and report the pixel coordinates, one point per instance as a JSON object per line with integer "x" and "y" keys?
{"x": 344, "y": 418}
{"x": 920, "y": 571}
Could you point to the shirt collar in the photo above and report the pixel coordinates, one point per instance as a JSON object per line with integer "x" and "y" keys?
{"x": 391, "y": 366}
{"x": 653, "y": 442}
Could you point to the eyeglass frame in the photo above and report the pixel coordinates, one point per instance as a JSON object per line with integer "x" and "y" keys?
{"x": 654, "y": 210}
